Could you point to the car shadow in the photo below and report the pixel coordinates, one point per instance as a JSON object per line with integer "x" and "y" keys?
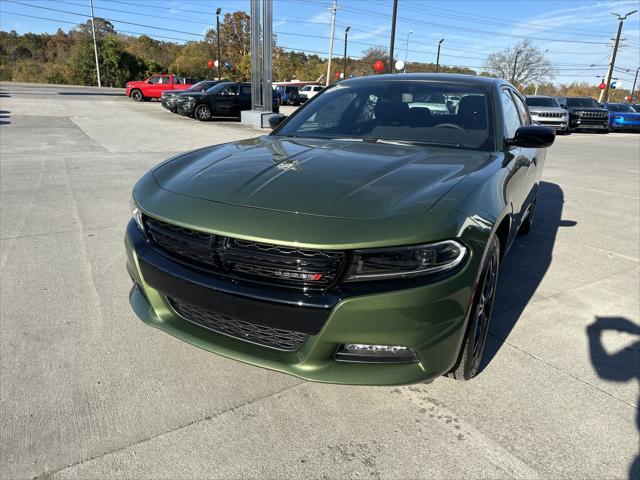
{"x": 525, "y": 266}
{"x": 4, "y": 94}
{"x": 5, "y": 115}
{"x": 621, "y": 366}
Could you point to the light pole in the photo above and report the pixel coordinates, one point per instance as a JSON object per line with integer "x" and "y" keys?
{"x": 218, "y": 38}
{"x": 333, "y": 27}
{"x": 539, "y": 70}
{"x": 605, "y": 93}
{"x": 515, "y": 64}
{"x": 95, "y": 44}
{"x": 393, "y": 34}
{"x": 406, "y": 52}
{"x": 346, "y": 39}
{"x": 634, "y": 85}
{"x": 438, "y": 56}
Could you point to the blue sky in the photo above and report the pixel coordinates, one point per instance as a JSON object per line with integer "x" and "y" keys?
{"x": 577, "y": 33}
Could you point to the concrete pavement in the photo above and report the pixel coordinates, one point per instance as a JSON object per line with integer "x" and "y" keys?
{"x": 88, "y": 391}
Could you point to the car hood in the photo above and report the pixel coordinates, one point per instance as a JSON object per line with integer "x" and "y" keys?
{"x": 330, "y": 178}
{"x": 547, "y": 110}
{"x": 586, "y": 109}
{"x": 188, "y": 93}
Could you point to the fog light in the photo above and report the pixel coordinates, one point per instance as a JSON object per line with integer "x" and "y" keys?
{"x": 365, "y": 353}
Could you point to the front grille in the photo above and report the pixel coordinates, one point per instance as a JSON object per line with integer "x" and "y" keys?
{"x": 549, "y": 114}
{"x": 595, "y": 115}
{"x": 250, "y": 332}
{"x": 253, "y": 261}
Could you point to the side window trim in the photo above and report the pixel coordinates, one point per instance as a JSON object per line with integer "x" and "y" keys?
{"x": 521, "y": 106}
{"x": 507, "y": 91}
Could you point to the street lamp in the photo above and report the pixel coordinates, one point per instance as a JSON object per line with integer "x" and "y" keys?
{"x": 218, "y": 38}
{"x": 438, "y": 57}
{"x": 612, "y": 64}
{"x": 346, "y": 39}
{"x": 634, "y": 85}
{"x": 539, "y": 70}
{"x": 515, "y": 63}
{"x": 406, "y": 51}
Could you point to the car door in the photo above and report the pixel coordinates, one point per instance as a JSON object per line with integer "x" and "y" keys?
{"x": 534, "y": 156}
{"x": 244, "y": 98}
{"x": 152, "y": 89}
{"x": 517, "y": 158}
{"x": 225, "y": 102}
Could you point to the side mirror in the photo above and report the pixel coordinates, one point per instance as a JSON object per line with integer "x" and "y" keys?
{"x": 533, "y": 136}
{"x": 276, "y": 120}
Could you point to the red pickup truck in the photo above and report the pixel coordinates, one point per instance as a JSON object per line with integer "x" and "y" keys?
{"x": 153, "y": 86}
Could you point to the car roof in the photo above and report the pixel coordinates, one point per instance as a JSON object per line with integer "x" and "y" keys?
{"x": 538, "y": 96}
{"x": 459, "y": 78}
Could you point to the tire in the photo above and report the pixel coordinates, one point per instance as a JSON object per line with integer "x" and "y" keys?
{"x": 527, "y": 225}
{"x": 470, "y": 357}
{"x": 136, "y": 95}
{"x": 203, "y": 112}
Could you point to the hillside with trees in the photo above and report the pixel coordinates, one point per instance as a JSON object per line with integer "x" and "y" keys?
{"x": 68, "y": 58}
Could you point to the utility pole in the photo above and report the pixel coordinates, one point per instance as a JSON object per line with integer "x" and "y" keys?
{"x": 605, "y": 93}
{"x": 406, "y": 52}
{"x": 218, "y": 39}
{"x": 346, "y": 39}
{"x": 393, "y": 34}
{"x": 539, "y": 70}
{"x": 634, "y": 85}
{"x": 515, "y": 64}
{"x": 438, "y": 56}
{"x": 333, "y": 27}
{"x": 95, "y": 44}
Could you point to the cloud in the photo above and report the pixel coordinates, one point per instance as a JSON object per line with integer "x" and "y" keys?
{"x": 322, "y": 17}
{"x": 366, "y": 35}
{"x": 279, "y": 23}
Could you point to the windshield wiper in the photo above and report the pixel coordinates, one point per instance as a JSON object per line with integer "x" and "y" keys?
{"x": 411, "y": 142}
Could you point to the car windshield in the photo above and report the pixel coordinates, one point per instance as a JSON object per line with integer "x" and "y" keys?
{"x": 200, "y": 86}
{"x": 582, "y": 102}
{"x": 217, "y": 88}
{"x": 401, "y": 111}
{"x": 541, "y": 102}
{"x": 620, "y": 107}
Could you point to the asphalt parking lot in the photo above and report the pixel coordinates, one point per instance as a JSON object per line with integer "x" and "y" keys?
{"x": 89, "y": 391}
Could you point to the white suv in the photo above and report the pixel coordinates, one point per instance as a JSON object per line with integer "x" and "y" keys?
{"x": 309, "y": 91}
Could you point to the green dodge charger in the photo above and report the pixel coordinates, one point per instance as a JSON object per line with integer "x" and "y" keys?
{"x": 359, "y": 243}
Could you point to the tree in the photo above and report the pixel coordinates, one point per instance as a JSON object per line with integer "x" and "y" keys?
{"x": 103, "y": 27}
{"x": 530, "y": 62}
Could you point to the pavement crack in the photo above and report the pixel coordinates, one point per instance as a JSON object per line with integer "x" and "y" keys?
{"x": 535, "y": 357}
{"x": 206, "y": 418}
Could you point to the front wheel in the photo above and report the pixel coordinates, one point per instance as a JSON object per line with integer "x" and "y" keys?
{"x": 203, "y": 112}
{"x": 137, "y": 96}
{"x": 473, "y": 347}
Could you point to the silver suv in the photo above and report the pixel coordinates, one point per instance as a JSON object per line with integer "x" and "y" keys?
{"x": 546, "y": 111}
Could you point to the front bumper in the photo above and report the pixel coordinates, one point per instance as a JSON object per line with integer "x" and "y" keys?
{"x": 430, "y": 319}
{"x": 168, "y": 102}
{"x": 596, "y": 124}
{"x": 560, "y": 123}
{"x": 185, "y": 109}
{"x": 622, "y": 124}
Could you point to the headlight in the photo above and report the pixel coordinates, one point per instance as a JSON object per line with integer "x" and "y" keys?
{"x": 401, "y": 262}
{"x": 136, "y": 213}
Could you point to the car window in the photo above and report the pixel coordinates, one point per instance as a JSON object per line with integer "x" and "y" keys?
{"x": 306, "y": 88}
{"x": 582, "y": 102}
{"x": 525, "y": 119}
{"x": 231, "y": 90}
{"x": 154, "y": 80}
{"x": 510, "y": 113}
{"x": 164, "y": 80}
{"x": 408, "y": 111}
{"x": 541, "y": 102}
{"x": 245, "y": 90}
{"x": 317, "y": 89}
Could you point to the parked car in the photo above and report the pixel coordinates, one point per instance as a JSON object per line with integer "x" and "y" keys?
{"x": 169, "y": 97}
{"x": 360, "y": 242}
{"x": 153, "y": 86}
{"x": 309, "y": 91}
{"x": 288, "y": 94}
{"x": 623, "y": 116}
{"x": 585, "y": 112}
{"x": 546, "y": 111}
{"x": 226, "y": 99}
